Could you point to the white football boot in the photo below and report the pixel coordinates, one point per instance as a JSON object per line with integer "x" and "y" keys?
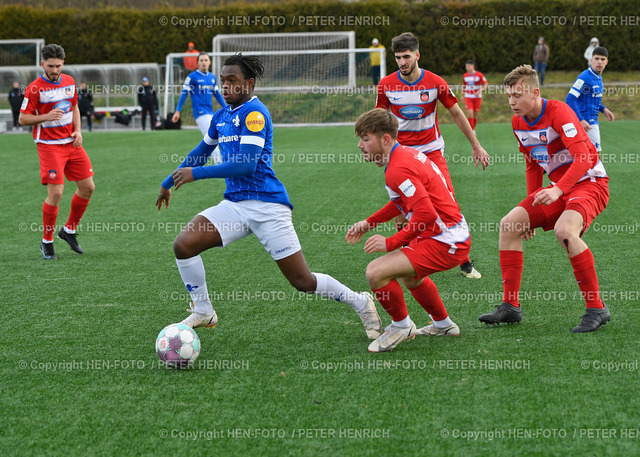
{"x": 196, "y": 320}
{"x": 370, "y": 318}
{"x": 452, "y": 330}
{"x": 391, "y": 337}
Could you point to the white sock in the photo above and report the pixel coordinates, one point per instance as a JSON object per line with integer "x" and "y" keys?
{"x": 68, "y": 230}
{"x": 404, "y": 323}
{"x": 192, "y": 273}
{"x": 328, "y": 287}
{"x": 47, "y": 241}
{"x": 444, "y": 323}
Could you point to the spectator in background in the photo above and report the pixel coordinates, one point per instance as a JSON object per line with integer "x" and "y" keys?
{"x": 15, "y": 100}
{"x": 593, "y": 43}
{"x": 376, "y": 58}
{"x": 540, "y": 57}
{"x": 148, "y": 101}
{"x": 85, "y": 103}
{"x": 191, "y": 63}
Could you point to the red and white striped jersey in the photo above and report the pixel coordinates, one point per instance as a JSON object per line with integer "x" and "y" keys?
{"x": 42, "y": 96}
{"x": 473, "y": 84}
{"x": 546, "y": 140}
{"x": 416, "y": 107}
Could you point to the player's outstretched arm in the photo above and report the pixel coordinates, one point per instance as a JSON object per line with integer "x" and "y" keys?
{"x": 356, "y": 231}
{"x": 163, "y": 197}
{"x": 480, "y": 156}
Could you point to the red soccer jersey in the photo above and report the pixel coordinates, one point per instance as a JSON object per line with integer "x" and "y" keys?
{"x": 473, "y": 83}
{"x": 418, "y": 189}
{"x": 416, "y": 107}
{"x": 43, "y": 96}
{"x": 545, "y": 143}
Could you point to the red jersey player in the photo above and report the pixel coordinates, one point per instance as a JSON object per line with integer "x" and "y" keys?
{"x": 51, "y": 104}
{"x": 435, "y": 238}
{"x": 474, "y": 82}
{"x": 553, "y": 141}
{"x": 412, "y": 95}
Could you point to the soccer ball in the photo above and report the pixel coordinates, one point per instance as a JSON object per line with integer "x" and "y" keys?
{"x": 178, "y": 345}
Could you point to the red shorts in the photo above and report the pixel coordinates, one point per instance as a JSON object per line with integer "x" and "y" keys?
{"x": 428, "y": 256}
{"x": 59, "y": 159}
{"x": 589, "y": 198}
{"x": 472, "y": 104}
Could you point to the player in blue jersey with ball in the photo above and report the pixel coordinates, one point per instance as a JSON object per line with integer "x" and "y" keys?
{"x": 255, "y": 201}
{"x": 585, "y": 96}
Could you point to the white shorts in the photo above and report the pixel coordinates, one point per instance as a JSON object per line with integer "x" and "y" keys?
{"x": 594, "y": 135}
{"x": 270, "y": 222}
{"x": 204, "y": 121}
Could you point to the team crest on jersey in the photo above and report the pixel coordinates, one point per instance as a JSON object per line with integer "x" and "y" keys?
{"x": 543, "y": 137}
{"x": 424, "y": 97}
{"x": 69, "y": 91}
{"x": 236, "y": 121}
{"x": 255, "y": 121}
{"x": 53, "y": 174}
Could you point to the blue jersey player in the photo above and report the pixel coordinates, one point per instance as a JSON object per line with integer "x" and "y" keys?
{"x": 585, "y": 96}
{"x": 256, "y": 202}
{"x": 202, "y": 86}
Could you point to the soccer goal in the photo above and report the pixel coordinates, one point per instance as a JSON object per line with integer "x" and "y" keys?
{"x": 20, "y": 52}
{"x": 304, "y": 86}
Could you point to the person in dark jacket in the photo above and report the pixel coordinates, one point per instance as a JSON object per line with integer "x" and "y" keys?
{"x": 148, "y": 100}
{"x": 15, "y": 100}
{"x": 85, "y": 103}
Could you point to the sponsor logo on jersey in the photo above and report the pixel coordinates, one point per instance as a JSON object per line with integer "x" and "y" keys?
{"x": 25, "y": 102}
{"x": 228, "y": 139}
{"x": 412, "y": 112}
{"x": 424, "y": 96}
{"x": 543, "y": 137}
{"x": 53, "y": 174}
{"x": 540, "y": 154}
{"x": 407, "y": 188}
{"x": 578, "y": 84}
{"x": 64, "y": 105}
{"x": 570, "y": 130}
{"x": 255, "y": 121}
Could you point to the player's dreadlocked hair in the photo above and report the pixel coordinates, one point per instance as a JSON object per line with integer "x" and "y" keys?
{"x": 52, "y": 51}
{"x": 251, "y": 66}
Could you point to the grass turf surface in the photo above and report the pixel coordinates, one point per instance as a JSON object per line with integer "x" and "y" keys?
{"x": 81, "y": 377}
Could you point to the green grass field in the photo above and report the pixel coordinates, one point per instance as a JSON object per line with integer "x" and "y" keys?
{"x": 287, "y": 374}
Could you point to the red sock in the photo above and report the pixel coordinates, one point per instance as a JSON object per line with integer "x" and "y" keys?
{"x": 78, "y": 207}
{"x": 49, "y": 217}
{"x": 585, "y": 271}
{"x": 391, "y": 297}
{"x": 427, "y": 295}
{"x": 511, "y": 266}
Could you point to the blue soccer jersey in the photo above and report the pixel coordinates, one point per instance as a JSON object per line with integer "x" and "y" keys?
{"x": 245, "y": 137}
{"x": 202, "y": 87}
{"x": 585, "y": 96}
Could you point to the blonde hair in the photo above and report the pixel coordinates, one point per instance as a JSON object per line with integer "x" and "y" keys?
{"x": 379, "y": 122}
{"x": 525, "y": 73}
